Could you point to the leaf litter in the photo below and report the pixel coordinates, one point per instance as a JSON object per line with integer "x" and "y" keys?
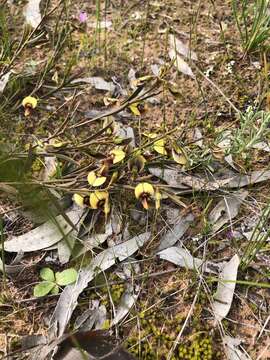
{"x": 103, "y": 261}
{"x": 180, "y": 180}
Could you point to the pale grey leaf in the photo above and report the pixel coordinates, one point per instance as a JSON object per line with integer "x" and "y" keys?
{"x": 4, "y": 80}
{"x": 32, "y": 13}
{"x": 96, "y": 240}
{"x": 44, "y": 235}
{"x": 180, "y": 64}
{"x": 241, "y": 180}
{"x": 125, "y": 132}
{"x": 262, "y": 145}
{"x": 183, "y": 258}
{"x": 181, "y": 48}
{"x": 128, "y": 299}
{"x": 100, "y": 317}
{"x": 226, "y": 210}
{"x": 189, "y": 183}
{"x": 50, "y": 168}
{"x": 232, "y": 349}
{"x": 65, "y": 247}
{"x": 101, "y": 24}
{"x": 175, "y": 234}
{"x": 97, "y": 82}
{"x": 103, "y": 261}
{"x": 225, "y": 289}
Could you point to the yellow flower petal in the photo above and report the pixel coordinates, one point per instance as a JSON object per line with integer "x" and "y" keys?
{"x": 95, "y": 180}
{"x": 79, "y": 200}
{"x": 150, "y": 135}
{"x": 159, "y": 147}
{"x": 99, "y": 198}
{"x": 179, "y": 157}
{"x": 134, "y": 109}
{"x": 56, "y": 143}
{"x": 118, "y": 155}
{"x": 29, "y": 101}
{"x": 144, "y": 188}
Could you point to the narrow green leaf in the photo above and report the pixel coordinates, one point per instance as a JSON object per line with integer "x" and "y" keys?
{"x": 43, "y": 288}
{"x": 66, "y": 277}
{"x": 47, "y": 274}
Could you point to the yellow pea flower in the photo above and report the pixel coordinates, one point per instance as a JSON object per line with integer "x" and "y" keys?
{"x": 29, "y": 102}
{"x": 159, "y": 147}
{"x": 118, "y": 155}
{"x": 100, "y": 199}
{"x": 80, "y": 200}
{"x": 143, "y": 192}
{"x": 95, "y": 180}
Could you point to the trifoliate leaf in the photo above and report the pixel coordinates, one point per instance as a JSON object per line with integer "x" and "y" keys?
{"x": 55, "y": 290}
{"x": 43, "y": 288}
{"x": 47, "y": 274}
{"x": 66, "y": 277}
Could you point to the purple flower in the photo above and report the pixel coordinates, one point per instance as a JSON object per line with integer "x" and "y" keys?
{"x": 83, "y": 17}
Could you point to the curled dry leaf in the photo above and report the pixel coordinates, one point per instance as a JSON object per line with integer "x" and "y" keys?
{"x": 128, "y": 299}
{"x": 232, "y": 349}
{"x": 173, "y": 235}
{"x": 180, "y": 64}
{"x": 181, "y": 48}
{"x": 225, "y": 289}
{"x": 226, "y": 209}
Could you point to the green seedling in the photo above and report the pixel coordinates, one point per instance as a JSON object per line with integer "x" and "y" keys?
{"x": 53, "y": 281}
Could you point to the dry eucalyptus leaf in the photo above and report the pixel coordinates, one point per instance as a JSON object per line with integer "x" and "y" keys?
{"x": 232, "y": 350}
{"x": 262, "y": 145}
{"x": 50, "y": 168}
{"x": 97, "y": 82}
{"x": 4, "y": 80}
{"x": 65, "y": 247}
{"x": 128, "y": 299}
{"x": 226, "y": 210}
{"x": 103, "y": 261}
{"x": 181, "y": 48}
{"x": 180, "y": 64}
{"x": 183, "y": 258}
{"x": 44, "y": 235}
{"x": 225, "y": 289}
{"x": 173, "y": 235}
{"x": 189, "y": 183}
{"x": 32, "y": 13}
{"x": 254, "y": 177}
